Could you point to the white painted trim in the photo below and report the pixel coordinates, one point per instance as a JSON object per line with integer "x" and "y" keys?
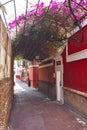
{"x": 33, "y": 66}
{"x": 83, "y": 24}
{"x": 47, "y": 65}
{"x": 59, "y": 58}
{"x": 47, "y": 59}
{"x": 76, "y": 91}
{"x": 75, "y": 56}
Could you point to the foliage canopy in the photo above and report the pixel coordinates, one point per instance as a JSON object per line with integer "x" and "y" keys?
{"x": 46, "y": 27}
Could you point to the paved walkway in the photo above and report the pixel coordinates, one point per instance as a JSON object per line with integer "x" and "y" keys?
{"x": 33, "y": 111}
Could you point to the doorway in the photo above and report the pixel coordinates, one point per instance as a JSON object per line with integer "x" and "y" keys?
{"x": 59, "y": 80}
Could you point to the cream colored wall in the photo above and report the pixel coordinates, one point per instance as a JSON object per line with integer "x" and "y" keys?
{"x": 5, "y": 52}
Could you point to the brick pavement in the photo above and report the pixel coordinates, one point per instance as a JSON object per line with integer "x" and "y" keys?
{"x": 34, "y": 111}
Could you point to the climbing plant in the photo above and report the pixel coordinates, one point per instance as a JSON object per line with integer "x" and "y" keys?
{"x": 49, "y": 25}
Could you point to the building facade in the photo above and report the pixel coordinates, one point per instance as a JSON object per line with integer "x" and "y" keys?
{"x": 64, "y": 76}
{"x": 6, "y": 77}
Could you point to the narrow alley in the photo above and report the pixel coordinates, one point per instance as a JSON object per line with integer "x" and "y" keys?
{"x": 34, "y": 111}
{"x": 43, "y": 43}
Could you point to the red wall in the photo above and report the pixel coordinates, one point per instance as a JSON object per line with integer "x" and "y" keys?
{"x": 33, "y": 76}
{"x": 18, "y": 76}
{"x": 73, "y": 46}
{"x": 46, "y": 73}
{"x": 75, "y": 73}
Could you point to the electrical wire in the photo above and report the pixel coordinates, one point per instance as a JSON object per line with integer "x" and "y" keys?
{"x": 36, "y": 11}
{"x": 4, "y": 14}
{"x": 25, "y": 15}
{"x": 6, "y": 3}
{"x": 15, "y": 15}
{"x": 5, "y": 20}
